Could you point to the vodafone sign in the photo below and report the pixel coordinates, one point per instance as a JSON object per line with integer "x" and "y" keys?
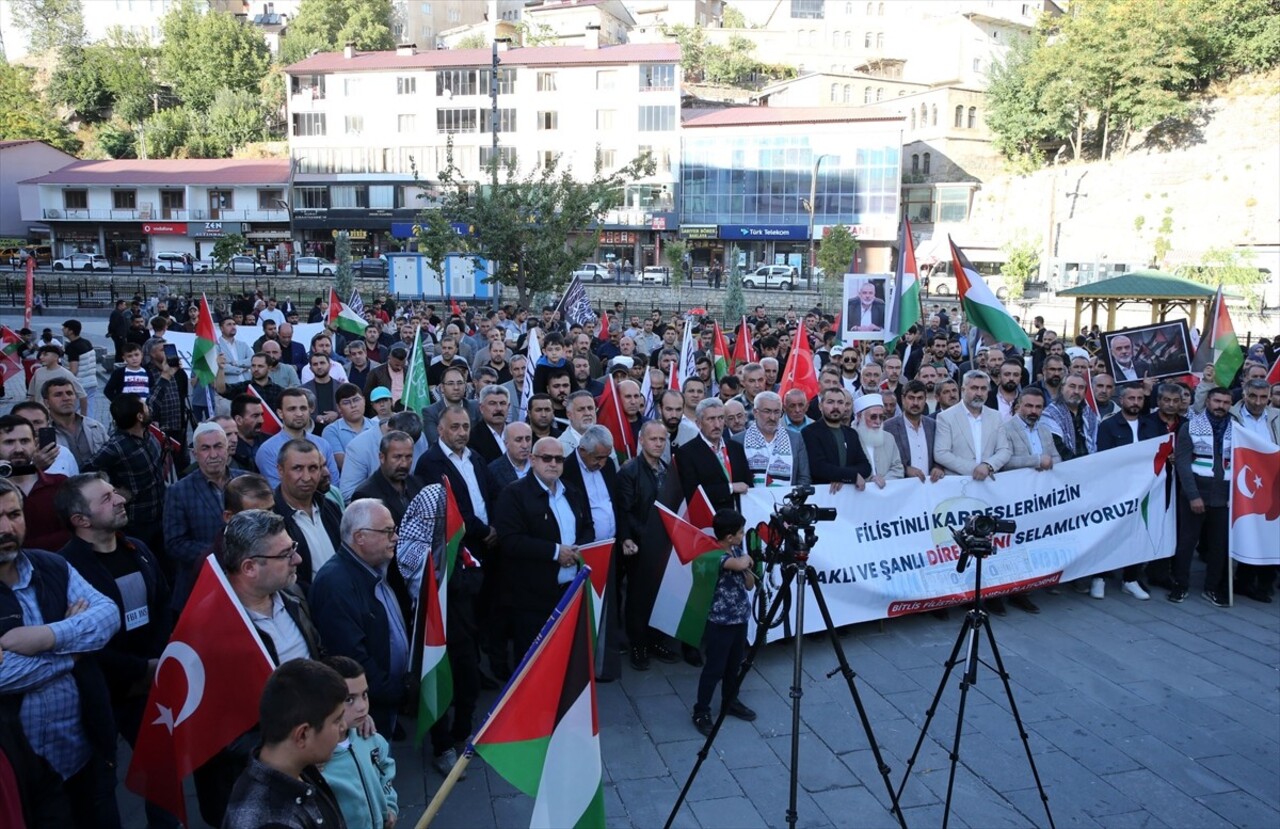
{"x": 165, "y": 229}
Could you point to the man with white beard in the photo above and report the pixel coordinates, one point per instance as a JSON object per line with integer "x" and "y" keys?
{"x": 879, "y": 446}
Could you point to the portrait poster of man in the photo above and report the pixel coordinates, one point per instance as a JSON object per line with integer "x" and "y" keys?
{"x": 1150, "y": 351}
{"x": 866, "y": 306}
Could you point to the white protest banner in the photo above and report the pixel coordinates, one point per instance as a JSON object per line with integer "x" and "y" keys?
{"x": 890, "y": 551}
{"x": 1255, "y": 498}
{"x": 247, "y": 334}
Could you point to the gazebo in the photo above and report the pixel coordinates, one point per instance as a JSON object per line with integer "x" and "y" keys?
{"x": 1163, "y": 291}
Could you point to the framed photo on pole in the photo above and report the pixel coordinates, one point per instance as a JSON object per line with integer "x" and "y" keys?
{"x": 866, "y": 306}
{"x": 1150, "y": 351}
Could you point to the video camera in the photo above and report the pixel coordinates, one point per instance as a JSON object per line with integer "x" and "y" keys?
{"x": 794, "y": 512}
{"x": 786, "y": 540}
{"x": 975, "y": 537}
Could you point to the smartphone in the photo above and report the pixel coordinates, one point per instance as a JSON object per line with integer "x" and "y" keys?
{"x": 171, "y": 354}
{"x": 47, "y": 437}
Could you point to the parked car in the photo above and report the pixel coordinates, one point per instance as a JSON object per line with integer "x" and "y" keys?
{"x": 654, "y": 275}
{"x": 18, "y": 256}
{"x": 593, "y": 272}
{"x": 245, "y": 264}
{"x": 373, "y": 267}
{"x": 771, "y": 276}
{"x": 314, "y": 265}
{"x": 82, "y": 262}
{"x": 172, "y": 262}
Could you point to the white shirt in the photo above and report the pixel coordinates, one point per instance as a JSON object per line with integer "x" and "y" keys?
{"x": 567, "y": 523}
{"x": 283, "y": 631}
{"x": 64, "y": 463}
{"x": 865, "y": 318}
{"x": 1005, "y": 409}
{"x": 318, "y": 541}
{"x": 464, "y": 466}
{"x": 975, "y": 431}
{"x": 271, "y": 314}
{"x": 918, "y": 443}
{"x": 599, "y": 499}
{"x": 336, "y": 371}
{"x": 1257, "y": 425}
{"x": 1033, "y": 437}
{"x": 1133, "y": 427}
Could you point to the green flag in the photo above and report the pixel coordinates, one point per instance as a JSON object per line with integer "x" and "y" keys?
{"x": 417, "y": 396}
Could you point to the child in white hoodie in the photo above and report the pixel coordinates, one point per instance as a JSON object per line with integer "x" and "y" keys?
{"x": 362, "y": 772}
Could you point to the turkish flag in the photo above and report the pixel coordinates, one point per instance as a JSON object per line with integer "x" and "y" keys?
{"x": 609, "y": 415}
{"x": 603, "y": 336}
{"x": 1255, "y": 498}
{"x": 799, "y": 373}
{"x": 205, "y": 692}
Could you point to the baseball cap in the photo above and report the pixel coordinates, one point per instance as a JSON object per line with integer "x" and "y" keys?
{"x": 380, "y": 393}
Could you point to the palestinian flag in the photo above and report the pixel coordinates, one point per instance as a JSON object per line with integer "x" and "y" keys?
{"x": 416, "y": 396}
{"x": 436, "y": 689}
{"x": 689, "y": 580}
{"x": 342, "y": 318}
{"x": 271, "y": 424}
{"x": 204, "y": 354}
{"x": 10, "y": 353}
{"x": 980, "y": 306}
{"x": 721, "y": 360}
{"x": 1273, "y": 376}
{"x": 597, "y": 555}
{"x": 609, "y": 415}
{"x": 543, "y": 735}
{"x": 906, "y": 289}
{"x": 1219, "y": 345}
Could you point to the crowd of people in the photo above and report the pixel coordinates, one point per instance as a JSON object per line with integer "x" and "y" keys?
{"x": 323, "y": 527}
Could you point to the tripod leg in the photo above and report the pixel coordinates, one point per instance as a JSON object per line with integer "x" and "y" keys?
{"x": 797, "y": 690}
{"x": 1017, "y": 719}
{"x": 849, "y": 676}
{"x": 951, "y": 663}
{"x": 731, "y": 692}
{"x": 974, "y": 619}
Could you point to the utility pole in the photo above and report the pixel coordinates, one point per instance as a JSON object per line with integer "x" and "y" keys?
{"x": 813, "y": 195}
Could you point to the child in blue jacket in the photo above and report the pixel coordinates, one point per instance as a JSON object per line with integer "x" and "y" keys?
{"x": 362, "y": 772}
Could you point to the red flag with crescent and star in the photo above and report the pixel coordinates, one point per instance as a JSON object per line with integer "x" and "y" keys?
{"x": 1255, "y": 498}
{"x": 205, "y": 692}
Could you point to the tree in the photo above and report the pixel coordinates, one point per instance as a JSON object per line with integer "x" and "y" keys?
{"x": 342, "y": 254}
{"x": 530, "y": 226}
{"x": 693, "y": 46}
{"x": 731, "y": 18}
{"x": 735, "y": 302}
{"x": 436, "y": 240}
{"x": 165, "y": 134}
{"x": 540, "y": 34}
{"x": 203, "y": 53}
{"x": 676, "y": 252}
{"x": 1021, "y": 266}
{"x": 235, "y": 119}
{"x": 472, "y": 41}
{"x": 835, "y": 258}
{"x": 117, "y": 139}
{"x": 225, "y": 248}
{"x": 1228, "y": 267}
{"x": 50, "y": 24}
{"x": 24, "y": 112}
{"x": 328, "y": 25}
{"x": 79, "y": 83}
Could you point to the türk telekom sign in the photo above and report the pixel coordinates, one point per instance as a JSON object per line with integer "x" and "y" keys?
{"x": 165, "y": 228}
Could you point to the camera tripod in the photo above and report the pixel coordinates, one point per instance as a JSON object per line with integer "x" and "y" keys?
{"x": 975, "y": 620}
{"x": 798, "y": 571}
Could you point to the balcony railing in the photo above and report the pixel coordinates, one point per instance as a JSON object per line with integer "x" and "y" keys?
{"x": 163, "y": 214}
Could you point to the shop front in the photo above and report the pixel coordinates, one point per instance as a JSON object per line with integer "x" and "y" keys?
{"x": 751, "y": 246}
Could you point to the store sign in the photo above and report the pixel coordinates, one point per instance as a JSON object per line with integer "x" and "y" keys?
{"x": 699, "y": 231}
{"x": 352, "y": 234}
{"x": 214, "y": 230}
{"x": 617, "y": 237}
{"x": 659, "y": 223}
{"x": 876, "y": 232}
{"x": 764, "y": 233}
{"x": 165, "y": 228}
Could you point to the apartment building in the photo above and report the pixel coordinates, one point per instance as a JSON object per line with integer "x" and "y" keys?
{"x": 369, "y": 132}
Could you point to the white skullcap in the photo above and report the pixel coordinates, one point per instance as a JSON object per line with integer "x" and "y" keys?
{"x": 867, "y": 401}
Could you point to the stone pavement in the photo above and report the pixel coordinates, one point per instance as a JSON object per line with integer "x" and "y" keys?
{"x": 1139, "y": 714}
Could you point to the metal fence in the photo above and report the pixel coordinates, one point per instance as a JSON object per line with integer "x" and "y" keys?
{"x": 101, "y": 291}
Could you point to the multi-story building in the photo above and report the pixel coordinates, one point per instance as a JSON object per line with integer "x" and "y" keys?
{"x": 136, "y": 16}
{"x": 130, "y": 210}
{"x": 652, "y": 16}
{"x": 422, "y": 21}
{"x": 747, "y": 174}
{"x": 20, "y": 160}
{"x": 369, "y": 132}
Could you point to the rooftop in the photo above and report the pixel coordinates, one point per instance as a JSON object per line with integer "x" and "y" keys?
{"x": 1142, "y": 285}
{"x": 170, "y": 172}
{"x": 529, "y": 56}
{"x": 764, "y": 116}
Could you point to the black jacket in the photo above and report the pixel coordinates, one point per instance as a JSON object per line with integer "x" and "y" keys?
{"x": 529, "y": 536}
{"x": 330, "y": 517}
{"x": 434, "y": 465}
{"x": 501, "y": 474}
{"x": 573, "y": 477}
{"x": 824, "y": 460}
{"x": 698, "y": 465}
{"x": 377, "y": 486}
{"x": 266, "y": 797}
{"x": 484, "y": 444}
{"x": 1115, "y": 431}
{"x": 638, "y": 493}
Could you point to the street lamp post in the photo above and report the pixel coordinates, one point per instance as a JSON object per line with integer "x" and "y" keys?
{"x": 813, "y": 195}
{"x": 493, "y": 109}
{"x": 293, "y": 245}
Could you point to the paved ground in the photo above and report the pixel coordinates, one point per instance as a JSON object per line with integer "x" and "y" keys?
{"x": 1139, "y": 714}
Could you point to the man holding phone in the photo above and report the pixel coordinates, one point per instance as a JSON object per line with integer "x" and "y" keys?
{"x": 18, "y": 448}
{"x": 50, "y": 457}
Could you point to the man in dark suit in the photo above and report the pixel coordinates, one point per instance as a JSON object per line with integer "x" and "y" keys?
{"x": 913, "y": 432}
{"x": 449, "y": 457}
{"x": 1124, "y": 367}
{"x": 865, "y": 311}
{"x": 835, "y": 452}
{"x": 513, "y": 464}
{"x": 486, "y": 436}
{"x": 310, "y": 518}
{"x": 719, "y": 466}
{"x": 453, "y": 392}
{"x": 540, "y": 522}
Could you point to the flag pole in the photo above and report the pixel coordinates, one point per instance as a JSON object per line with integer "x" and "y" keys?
{"x": 437, "y": 802}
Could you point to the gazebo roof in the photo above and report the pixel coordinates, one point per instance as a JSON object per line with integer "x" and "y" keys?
{"x": 1142, "y": 285}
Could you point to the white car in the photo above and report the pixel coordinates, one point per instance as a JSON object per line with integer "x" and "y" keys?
{"x": 314, "y": 265}
{"x": 170, "y": 262}
{"x": 82, "y": 262}
{"x": 593, "y": 272}
{"x": 654, "y": 275}
{"x": 771, "y": 276}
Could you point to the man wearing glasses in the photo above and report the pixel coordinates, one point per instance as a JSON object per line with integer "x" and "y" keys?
{"x": 357, "y": 612}
{"x": 541, "y": 522}
{"x": 338, "y": 434}
{"x": 775, "y": 456}
{"x": 453, "y": 393}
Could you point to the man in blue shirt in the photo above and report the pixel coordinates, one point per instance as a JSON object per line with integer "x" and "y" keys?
{"x": 295, "y": 419}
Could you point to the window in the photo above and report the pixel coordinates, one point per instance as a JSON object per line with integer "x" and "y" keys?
{"x": 870, "y": 8}
{"x": 880, "y": 10}
{"x": 879, "y": 93}
{"x": 172, "y": 202}
{"x": 866, "y": 40}
{"x": 406, "y": 123}
{"x": 848, "y": 8}
{"x": 604, "y": 118}
{"x": 351, "y": 87}
{"x": 349, "y": 196}
{"x": 458, "y": 82}
{"x": 270, "y": 199}
{"x": 973, "y": 117}
{"x": 953, "y": 204}
{"x": 312, "y": 85}
{"x": 848, "y": 93}
{"x": 835, "y": 91}
{"x": 606, "y": 159}
{"x": 959, "y": 117}
{"x": 75, "y": 199}
{"x": 866, "y": 94}
{"x": 546, "y": 81}
{"x": 657, "y": 119}
{"x": 547, "y": 158}
{"x": 220, "y": 202}
{"x": 606, "y": 80}
{"x": 924, "y": 114}
{"x": 933, "y": 116}
{"x": 124, "y": 199}
{"x": 808, "y": 9}
{"x": 311, "y": 198}
{"x": 835, "y": 40}
{"x": 382, "y": 196}
{"x": 353, "y": 124}
{"x": 918, "y": 203}
{"x": 426, "y": 9}
{"x": 406, "y": 86}
{"x": 656, "y": 77}
{"x": 506, "y": 120}
{"x": 548, "y": 120}
{"x": 915, "y": 164}
{"x": 451, "y": 121}
{"x": 927, "y": 158}
{"x": 506, "y": 81}
{"x": 879, "y": 40}
{"x": 848, "y": 40}
{"x": 308, "y": 123}
{"x": 506, "y": 156}
{"x": 661, "y": 156}
{"x": 977, "y": 64}
{"x": 913, "y": 118}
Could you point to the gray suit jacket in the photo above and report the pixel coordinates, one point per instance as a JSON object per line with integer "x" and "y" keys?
{"x": 953, "y": 443}
{"x": 886, "y": 461}
{"x": 1020, "y": 454}
{"x": 897, "y": 426}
